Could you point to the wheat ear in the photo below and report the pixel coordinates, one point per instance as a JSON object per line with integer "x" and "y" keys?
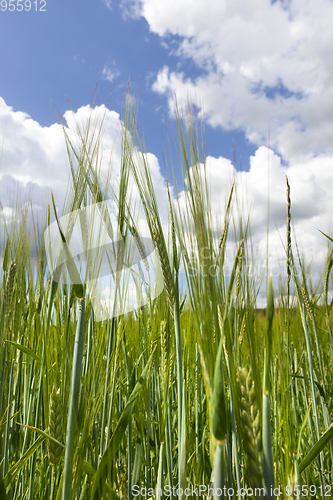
{"x": 250, "y": 418}
{"x": 55, "y": 427}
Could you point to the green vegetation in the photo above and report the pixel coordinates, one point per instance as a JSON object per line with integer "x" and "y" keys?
{"x": 215, "y": 393}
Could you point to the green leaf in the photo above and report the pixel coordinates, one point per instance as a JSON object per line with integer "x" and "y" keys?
{"x": 72, "y": 269}
{"x": 25, "y": 350}
{"x": 5, "y": 257}
{"x": 302, "y": 428}
{"x": 111, "y": 493}
{"x": 42, "y": 433}
{"x": 88, "y": 468}
{"x": 3, "y": 494}
{"x": 320, "y": 387}
{"x": 181, "y": 307}
{"x": 316, "y": 449}
{"x": 117, "y": 436}
{"x": 15, "y": 469}
{"x": 326, "y": 235}
{"x": 219, "y": 410}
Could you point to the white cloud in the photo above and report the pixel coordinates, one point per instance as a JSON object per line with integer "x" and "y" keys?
{"x": 108, "y": 4}
{"x": 35, "y": 159}
{"x": 131, "y": 9}
{"x": 110, "y": 72}
{"x": 170, "y": 17}
{"x": 265, "y": 66}
{"x": 265, "y": 186}
{"x": 8, "y": 214}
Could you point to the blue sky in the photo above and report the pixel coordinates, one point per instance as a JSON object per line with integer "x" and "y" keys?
{"x": 50, "y": 58}
{"x": 261, "y": 72}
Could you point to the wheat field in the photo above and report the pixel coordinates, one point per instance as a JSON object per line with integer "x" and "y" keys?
{"x": 192, "y": 396}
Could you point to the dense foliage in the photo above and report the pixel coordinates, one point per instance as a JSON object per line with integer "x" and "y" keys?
{"x": 179, "y": 393}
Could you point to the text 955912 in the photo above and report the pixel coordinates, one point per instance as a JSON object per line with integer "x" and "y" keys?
{"x": 23, "y": 5}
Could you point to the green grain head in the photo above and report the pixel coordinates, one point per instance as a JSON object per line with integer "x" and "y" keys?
{"x": 251, "y": 427}
{"x": 56, "y": 427}
{"x": 219, "y": 408}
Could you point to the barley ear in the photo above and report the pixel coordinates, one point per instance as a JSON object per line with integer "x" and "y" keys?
{"x": 164, "y": 351}
{"x": 219, "y": 409}
{"x": 55, "y": 427}
{"x": 10, "y": 286}
{"x": 250, "y": 418}
{"x": 140, "y": 246}
{"x": 268, "y": 462}
{"x": 219, "y": 422}
{"x": 165, "y": 265}
{"x": 288, "y": 241}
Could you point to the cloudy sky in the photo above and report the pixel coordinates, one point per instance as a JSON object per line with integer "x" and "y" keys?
{"x": 260, "y": 71}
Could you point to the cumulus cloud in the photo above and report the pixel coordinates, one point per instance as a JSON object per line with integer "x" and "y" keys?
{"x": 108, "y": 4}
{"x": 262, "y": 190}
{"x": 110, "y": 72}
{"x": 265, "y": 66}
{"x": 34, "y": 161}
{"x": 34, "y": 158}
